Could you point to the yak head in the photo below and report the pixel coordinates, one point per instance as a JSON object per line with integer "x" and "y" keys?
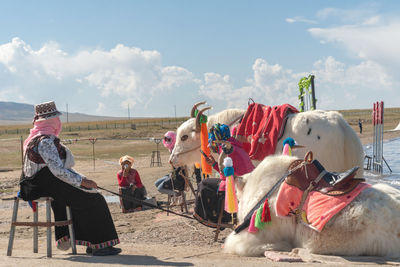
{"x": 187, "y": 146}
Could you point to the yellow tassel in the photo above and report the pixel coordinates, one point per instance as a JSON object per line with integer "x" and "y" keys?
{"x": 231, "y": 205}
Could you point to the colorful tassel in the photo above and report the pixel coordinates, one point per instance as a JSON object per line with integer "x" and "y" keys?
{"x": 287, "y": 150}
{"x": 206, "y": 168}
{"x": 231, "y": 203}
{"x": 258, "y": 223}
{"x": 252, "y": 228}
{"x": 266, "y": 212}
{"x": 33, "y": 205}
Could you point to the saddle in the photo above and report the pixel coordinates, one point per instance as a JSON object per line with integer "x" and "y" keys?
{"x": 309, "y": 175}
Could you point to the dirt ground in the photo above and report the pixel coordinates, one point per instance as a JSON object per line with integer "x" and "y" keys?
{"x": 149, "y": 237}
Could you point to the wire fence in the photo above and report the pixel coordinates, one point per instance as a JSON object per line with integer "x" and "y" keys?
{"x": 101, "y": 126}
{"x": 87, "y": 148}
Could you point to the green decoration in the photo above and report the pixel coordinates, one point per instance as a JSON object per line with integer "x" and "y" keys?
{"x": 304, "y": 89}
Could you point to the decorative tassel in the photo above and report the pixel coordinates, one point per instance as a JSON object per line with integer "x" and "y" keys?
{"x": 287, "y": 150}
{"x": 206, "y": 168}
{"x": 33, "y": 205}
{"x": 258, "y": 223}
{"x": 231, "y": 203}
{"x": 252, "y": 228}
{"x": 266, "y": 213}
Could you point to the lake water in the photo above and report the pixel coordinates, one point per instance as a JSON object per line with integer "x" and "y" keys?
{"x": 391, "y": 155}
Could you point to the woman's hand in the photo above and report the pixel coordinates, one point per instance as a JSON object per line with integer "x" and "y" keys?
{"x": 86, "y": 183}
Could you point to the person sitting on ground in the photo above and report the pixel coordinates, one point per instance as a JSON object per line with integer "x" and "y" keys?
{"x": 47, "y": 172}
{"x": 130, "y": 186}
{"x": 173, "y": 182}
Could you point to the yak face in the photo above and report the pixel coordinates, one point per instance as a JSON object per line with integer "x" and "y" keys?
{"x": 187, "y": 146}
{"x": 328, "y": 136}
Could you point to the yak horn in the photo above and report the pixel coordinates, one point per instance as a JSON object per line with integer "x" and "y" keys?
{"x": 195, "y": 107}
{"x": 197, "y": 129}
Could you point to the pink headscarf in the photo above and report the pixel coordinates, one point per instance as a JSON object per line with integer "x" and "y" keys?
{"x": 46, "y": 127}
{"x": 169, "y": 140}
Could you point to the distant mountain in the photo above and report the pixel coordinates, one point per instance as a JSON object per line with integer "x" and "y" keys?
{"x": 11, "y": 111}
{"x": 18, "y": 113}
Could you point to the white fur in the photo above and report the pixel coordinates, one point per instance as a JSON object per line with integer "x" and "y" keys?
{"x": 326, "y": 133}
{"x": 369, "y": 225}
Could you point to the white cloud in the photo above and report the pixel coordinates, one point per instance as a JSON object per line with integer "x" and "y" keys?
{"x": 347, "y": 15}
{"x": 100, "y": 108}
{"x": 338, "y": 85}
{"x": 123, "y": 74}
{"x": 107, "y": 81}
{"x": 371, "y": 39}
{"x": 270, "y": 84}
{"x": 300, "y": 19}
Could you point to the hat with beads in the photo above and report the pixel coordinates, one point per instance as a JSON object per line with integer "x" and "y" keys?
{"x": 45, "y": 111}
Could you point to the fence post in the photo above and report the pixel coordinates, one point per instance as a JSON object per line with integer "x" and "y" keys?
{"x": 93, "y": 140}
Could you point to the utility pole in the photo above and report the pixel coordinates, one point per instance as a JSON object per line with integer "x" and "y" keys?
{"x": 129, "y": 114}
{"x": 176, "y": 122}
{"x": 67, "y": 113}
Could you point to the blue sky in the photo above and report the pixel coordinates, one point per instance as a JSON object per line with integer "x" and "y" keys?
{"x": 101, "y": 56}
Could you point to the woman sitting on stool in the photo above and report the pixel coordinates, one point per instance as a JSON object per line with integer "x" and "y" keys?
{"x": 130, "y": 186}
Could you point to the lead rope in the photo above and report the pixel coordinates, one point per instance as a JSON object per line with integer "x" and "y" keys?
{"x": 145, "y": 204}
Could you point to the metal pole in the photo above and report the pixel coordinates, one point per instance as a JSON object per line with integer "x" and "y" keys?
{"x": 314, "y": 102}
{"x": 67, "y": 113}
{"x": 374, "y": 136}
{"x": 93, "y": 140}
{"x": 176, "y": 122}
{"x": 381, "y": 143}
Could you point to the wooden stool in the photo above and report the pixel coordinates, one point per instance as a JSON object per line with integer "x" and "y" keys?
{"x": 183, "y": 204}
{"x": 35, "y": 224}
{"x": 155, "y": 159}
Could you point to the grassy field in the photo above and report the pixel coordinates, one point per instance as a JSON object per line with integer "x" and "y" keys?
{"x": 391, "y": 118}
{"x": 117, "y": 138}
{"x": 112, "y": 139}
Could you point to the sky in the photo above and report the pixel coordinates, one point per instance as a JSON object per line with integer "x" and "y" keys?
{"x": 158, "y": 58}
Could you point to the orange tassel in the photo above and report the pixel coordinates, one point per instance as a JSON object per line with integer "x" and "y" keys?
{"x": 206, "y": 168}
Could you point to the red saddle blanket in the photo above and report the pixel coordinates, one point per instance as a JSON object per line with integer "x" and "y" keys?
{"x": 261, "y": 128}
{"x": 318, "y": 208}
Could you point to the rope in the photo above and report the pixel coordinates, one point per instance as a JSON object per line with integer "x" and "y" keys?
{"x": 145, "y": 204}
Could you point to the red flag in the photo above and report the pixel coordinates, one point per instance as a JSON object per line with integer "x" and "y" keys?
{"x": 373, "y": 115}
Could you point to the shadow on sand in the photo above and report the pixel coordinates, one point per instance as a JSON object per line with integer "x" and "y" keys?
{"x": 126, "y": 260}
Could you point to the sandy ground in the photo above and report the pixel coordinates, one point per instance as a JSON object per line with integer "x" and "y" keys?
{"x": 149, "y": 237}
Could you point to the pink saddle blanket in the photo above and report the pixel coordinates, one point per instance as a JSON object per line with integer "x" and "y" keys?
{"x": 319, "y": 208}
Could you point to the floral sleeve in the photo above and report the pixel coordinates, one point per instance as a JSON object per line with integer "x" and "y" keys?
{"x": 50, "y": 155}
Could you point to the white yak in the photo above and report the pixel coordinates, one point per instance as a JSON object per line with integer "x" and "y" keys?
{"x": 326, "y": 133}
{"x": 369, "y": 225}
